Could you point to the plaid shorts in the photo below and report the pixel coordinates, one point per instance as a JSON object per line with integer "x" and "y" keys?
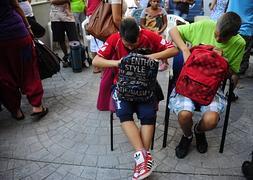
{"x": 179, "y": 103}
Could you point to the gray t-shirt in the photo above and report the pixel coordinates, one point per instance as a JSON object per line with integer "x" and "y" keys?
{"x": 61, "y": 13}
{"x": 27, "y": 8}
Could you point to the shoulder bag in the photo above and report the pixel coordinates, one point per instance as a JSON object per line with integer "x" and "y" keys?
{"x": 49, "y": 62}
{"x": 101, "y": 24}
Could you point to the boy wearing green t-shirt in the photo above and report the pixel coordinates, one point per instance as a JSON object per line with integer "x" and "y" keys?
{"x": 78, "y": 9}
{"x": 223, "y": 35}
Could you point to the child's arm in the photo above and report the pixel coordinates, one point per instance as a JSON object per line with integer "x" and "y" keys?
{"x": 99, "y": 61}
{"x": 167, "y": 53}
{"x": 177, "y": 39}
{"x": 143, "y": 19}
{"x": 164, "y": 22}
{"x": 212, "y": 4}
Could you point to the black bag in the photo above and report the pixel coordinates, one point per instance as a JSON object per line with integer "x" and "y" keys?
{"x": 137, "y": 78}
{"x": 158, "y": 92}
{"x": 49, "y": 62}
{"x": 37, "y": 29}
{"x": 247, "y": 168}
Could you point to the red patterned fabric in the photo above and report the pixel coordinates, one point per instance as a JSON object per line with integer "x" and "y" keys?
{"x": 202, "y": 75}
{"x": 19, "y": 73}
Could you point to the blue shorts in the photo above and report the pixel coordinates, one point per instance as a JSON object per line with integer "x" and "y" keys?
{"x": 179, "y": 103}
{"x": 146, "y": 112}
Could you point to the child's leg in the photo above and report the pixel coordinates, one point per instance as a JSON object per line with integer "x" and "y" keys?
{"x": 133, "y": 134}
{"x": 147, "y": 114}
{"x": 147, "y": 135}
{"x": 124, "y": 110}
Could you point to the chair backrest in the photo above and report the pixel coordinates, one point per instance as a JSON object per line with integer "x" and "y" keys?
{"x": 86, "y": 37}
{"x": 171, "y": 22}
{"x": 137, "y": 14}
{"x": 50, "y": 35}
{"x": 196, "y": 9}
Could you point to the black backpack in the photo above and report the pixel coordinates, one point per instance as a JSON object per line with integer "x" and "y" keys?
{"x": 49, "y": 62}
{"x": 137, "y": 78}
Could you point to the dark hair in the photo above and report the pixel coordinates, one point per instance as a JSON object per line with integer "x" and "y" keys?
{"x": 229, "y": 24}
{"x": 129, "y": 30}
{"x": 144, "y": 51}
{"x": 149, "y": 4}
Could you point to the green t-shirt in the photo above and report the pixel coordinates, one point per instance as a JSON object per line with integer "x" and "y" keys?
{"x": 77, "y": 6}
{"x": 202, "y": 32}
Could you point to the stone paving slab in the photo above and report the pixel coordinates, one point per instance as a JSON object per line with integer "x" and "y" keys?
{"x": 73, "y": 140}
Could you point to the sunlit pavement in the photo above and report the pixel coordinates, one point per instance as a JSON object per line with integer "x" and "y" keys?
{"x": 73, "y": 140}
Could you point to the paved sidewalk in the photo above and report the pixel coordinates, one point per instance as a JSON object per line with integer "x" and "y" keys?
{"x": 73, "y": 141}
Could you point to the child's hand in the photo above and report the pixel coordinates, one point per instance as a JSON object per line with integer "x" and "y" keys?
{"x": 118, "y": 62}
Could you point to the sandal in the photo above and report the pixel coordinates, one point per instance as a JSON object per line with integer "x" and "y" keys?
{"x": 40, "y": 114}
{"x": 95, "y": 72}
{"x": 20, "y": 117}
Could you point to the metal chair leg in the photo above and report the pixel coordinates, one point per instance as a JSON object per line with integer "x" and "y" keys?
{"x": 111, "y": 129}
{"x": 224, "y": 131}
{"x": 166, "y": 124}
{"x": 167, "y": 113}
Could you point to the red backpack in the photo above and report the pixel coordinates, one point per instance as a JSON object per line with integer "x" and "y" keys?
{"x": 202, "y": 75}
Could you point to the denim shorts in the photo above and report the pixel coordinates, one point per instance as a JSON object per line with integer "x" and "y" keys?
{"x": 146, "y": 112}
{"x": 179, "y": 103}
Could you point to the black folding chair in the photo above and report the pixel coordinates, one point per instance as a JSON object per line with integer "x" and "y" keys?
{"x": 177, "y": 66}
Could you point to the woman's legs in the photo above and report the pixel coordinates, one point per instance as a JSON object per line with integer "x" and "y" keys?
{"x": 19, "y": 72}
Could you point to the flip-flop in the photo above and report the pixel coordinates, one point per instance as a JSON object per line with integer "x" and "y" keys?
{"x": 18, "y": 118}
{"x": 96, "y": 72}
{"x": 40, "y": 114}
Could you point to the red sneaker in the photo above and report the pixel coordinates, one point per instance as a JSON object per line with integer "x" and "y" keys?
{"x": 136, "y": 173}
{"x": 144, "y": 168}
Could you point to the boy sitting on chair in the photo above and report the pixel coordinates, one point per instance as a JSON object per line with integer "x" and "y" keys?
{"x": 117, "y": 46}
{"x": 223, "y": 35}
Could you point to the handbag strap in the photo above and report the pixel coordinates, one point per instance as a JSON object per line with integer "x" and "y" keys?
{"x": 226, "y": 7}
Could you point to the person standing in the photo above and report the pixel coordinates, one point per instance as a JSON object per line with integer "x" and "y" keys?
{"x": 37, "y": 29}
{"x": 62, "y": 21}
{"x": 245, "y": 10}
{"x": 78, "y": 8}
{"x": 217, "y": 8}
{"x": 18, "y": 64}
{"x": 182, "y": 7}
{"x": 154, "y": 18}
{"x": 95, "y": 44}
